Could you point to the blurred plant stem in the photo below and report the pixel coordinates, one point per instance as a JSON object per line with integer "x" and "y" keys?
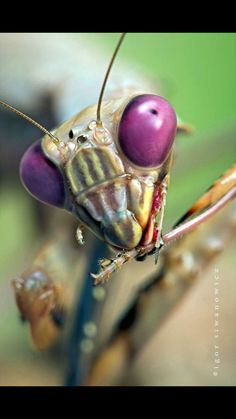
{"x": 86, "y": 320}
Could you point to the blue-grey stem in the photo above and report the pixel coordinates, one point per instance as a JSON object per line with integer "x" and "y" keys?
{"x": 87, "y": 313}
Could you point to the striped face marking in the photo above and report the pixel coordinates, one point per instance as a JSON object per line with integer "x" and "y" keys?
{"x": 91, "y": 167}
{"x": 100, "y": 185}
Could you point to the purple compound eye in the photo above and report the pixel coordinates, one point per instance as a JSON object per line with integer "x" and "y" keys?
{"x": 41, "y": 177}
{"x": 147, "y": 130}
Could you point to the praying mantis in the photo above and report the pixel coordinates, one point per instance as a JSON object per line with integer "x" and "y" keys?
{"x": 110, "y": 165}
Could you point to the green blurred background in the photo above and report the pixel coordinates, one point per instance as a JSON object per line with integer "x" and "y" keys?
{"x": 198, "y": 72}
{"x": 199, "y": 69}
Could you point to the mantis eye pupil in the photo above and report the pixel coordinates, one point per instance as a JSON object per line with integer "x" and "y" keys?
{"x": 154, "y": 111}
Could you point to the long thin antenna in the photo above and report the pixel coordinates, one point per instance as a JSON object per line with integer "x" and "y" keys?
{"x": 99, "y": 121}
{"x": 22, "y": 115}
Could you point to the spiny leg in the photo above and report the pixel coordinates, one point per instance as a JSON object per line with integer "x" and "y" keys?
{"x": 109, "y": 266}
